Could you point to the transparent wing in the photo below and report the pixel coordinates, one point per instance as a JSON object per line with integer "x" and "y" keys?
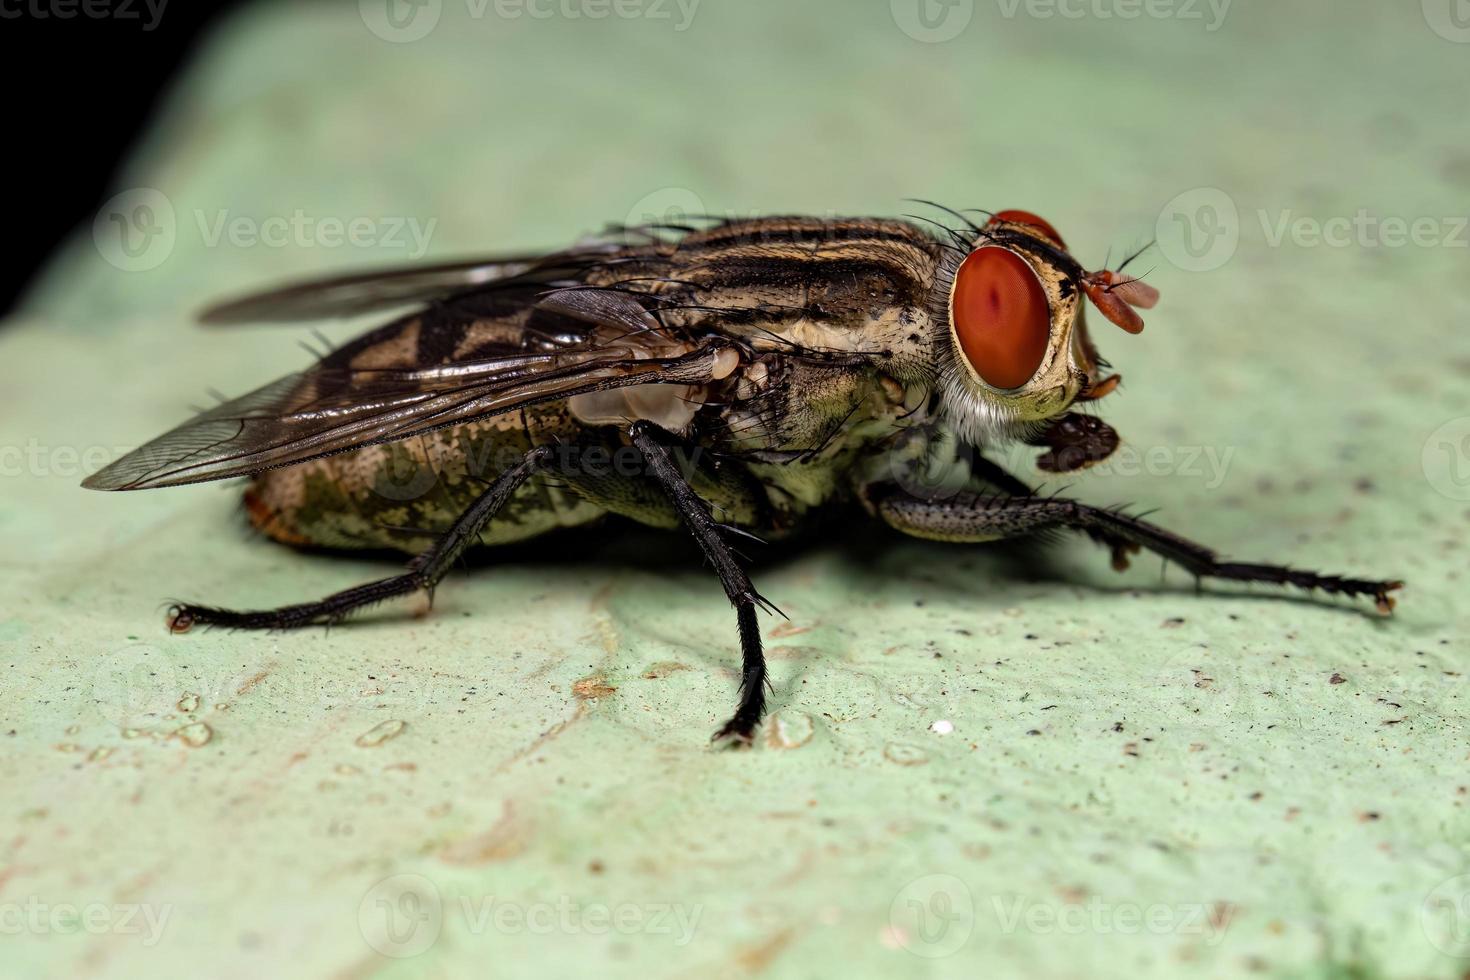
{"x": 332, "y": 408}
{"x": 381, "y": 289}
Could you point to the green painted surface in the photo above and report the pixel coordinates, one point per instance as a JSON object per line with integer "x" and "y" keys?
{"x": 1139, "y": 781}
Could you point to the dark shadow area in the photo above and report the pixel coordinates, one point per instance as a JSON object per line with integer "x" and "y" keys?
{"x": 866, "y": 546}
{"x": 82, "y": 81}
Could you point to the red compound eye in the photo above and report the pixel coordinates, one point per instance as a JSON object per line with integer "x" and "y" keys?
{"x": 1000, "y": 316}
{"x": 1027, "y": 218}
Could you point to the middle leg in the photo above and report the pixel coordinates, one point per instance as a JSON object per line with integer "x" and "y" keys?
{"x": 695, "y": 514}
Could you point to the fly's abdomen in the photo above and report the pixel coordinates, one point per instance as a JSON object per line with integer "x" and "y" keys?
{"x": 402, "y": 495}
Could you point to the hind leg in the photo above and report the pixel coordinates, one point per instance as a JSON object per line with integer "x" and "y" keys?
{"x": 423, "y": 573}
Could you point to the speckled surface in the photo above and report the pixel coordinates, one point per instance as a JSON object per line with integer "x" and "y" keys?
{"x": 979, "y": 765}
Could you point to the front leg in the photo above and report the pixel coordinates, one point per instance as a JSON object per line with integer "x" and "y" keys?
{"x": 972, "y": 517}
{"x": 998, "y": 477}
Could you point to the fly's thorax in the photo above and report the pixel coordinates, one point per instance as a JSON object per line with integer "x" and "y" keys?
{"x": 790, "y": 406}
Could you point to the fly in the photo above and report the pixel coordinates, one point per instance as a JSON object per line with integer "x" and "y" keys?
{"x": 737, "y": 378}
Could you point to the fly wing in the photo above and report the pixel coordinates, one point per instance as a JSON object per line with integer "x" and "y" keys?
{"x": 482, "y": 353}
{"x": 332, "y": 408}
{"x": 382, "y": 289}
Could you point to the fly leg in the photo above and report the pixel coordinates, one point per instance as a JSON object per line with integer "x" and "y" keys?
{"x": 695, "y": 514}
{"x": 970, "y": 517}
{"x": 1000, "y": 478}
{"x": 424, "y": 571}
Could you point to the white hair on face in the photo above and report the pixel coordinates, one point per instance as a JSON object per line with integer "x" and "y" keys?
{"x": 975, "y": 420}
{"x": 978, "y": 420}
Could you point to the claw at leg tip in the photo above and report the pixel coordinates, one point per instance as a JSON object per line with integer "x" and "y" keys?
{"x": 179, "y": 619}
{"x": 1384, "y": 602}
{"x": 734, "y": 736}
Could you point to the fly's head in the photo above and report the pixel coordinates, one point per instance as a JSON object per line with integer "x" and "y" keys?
{"x": 1016, "y": 354}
